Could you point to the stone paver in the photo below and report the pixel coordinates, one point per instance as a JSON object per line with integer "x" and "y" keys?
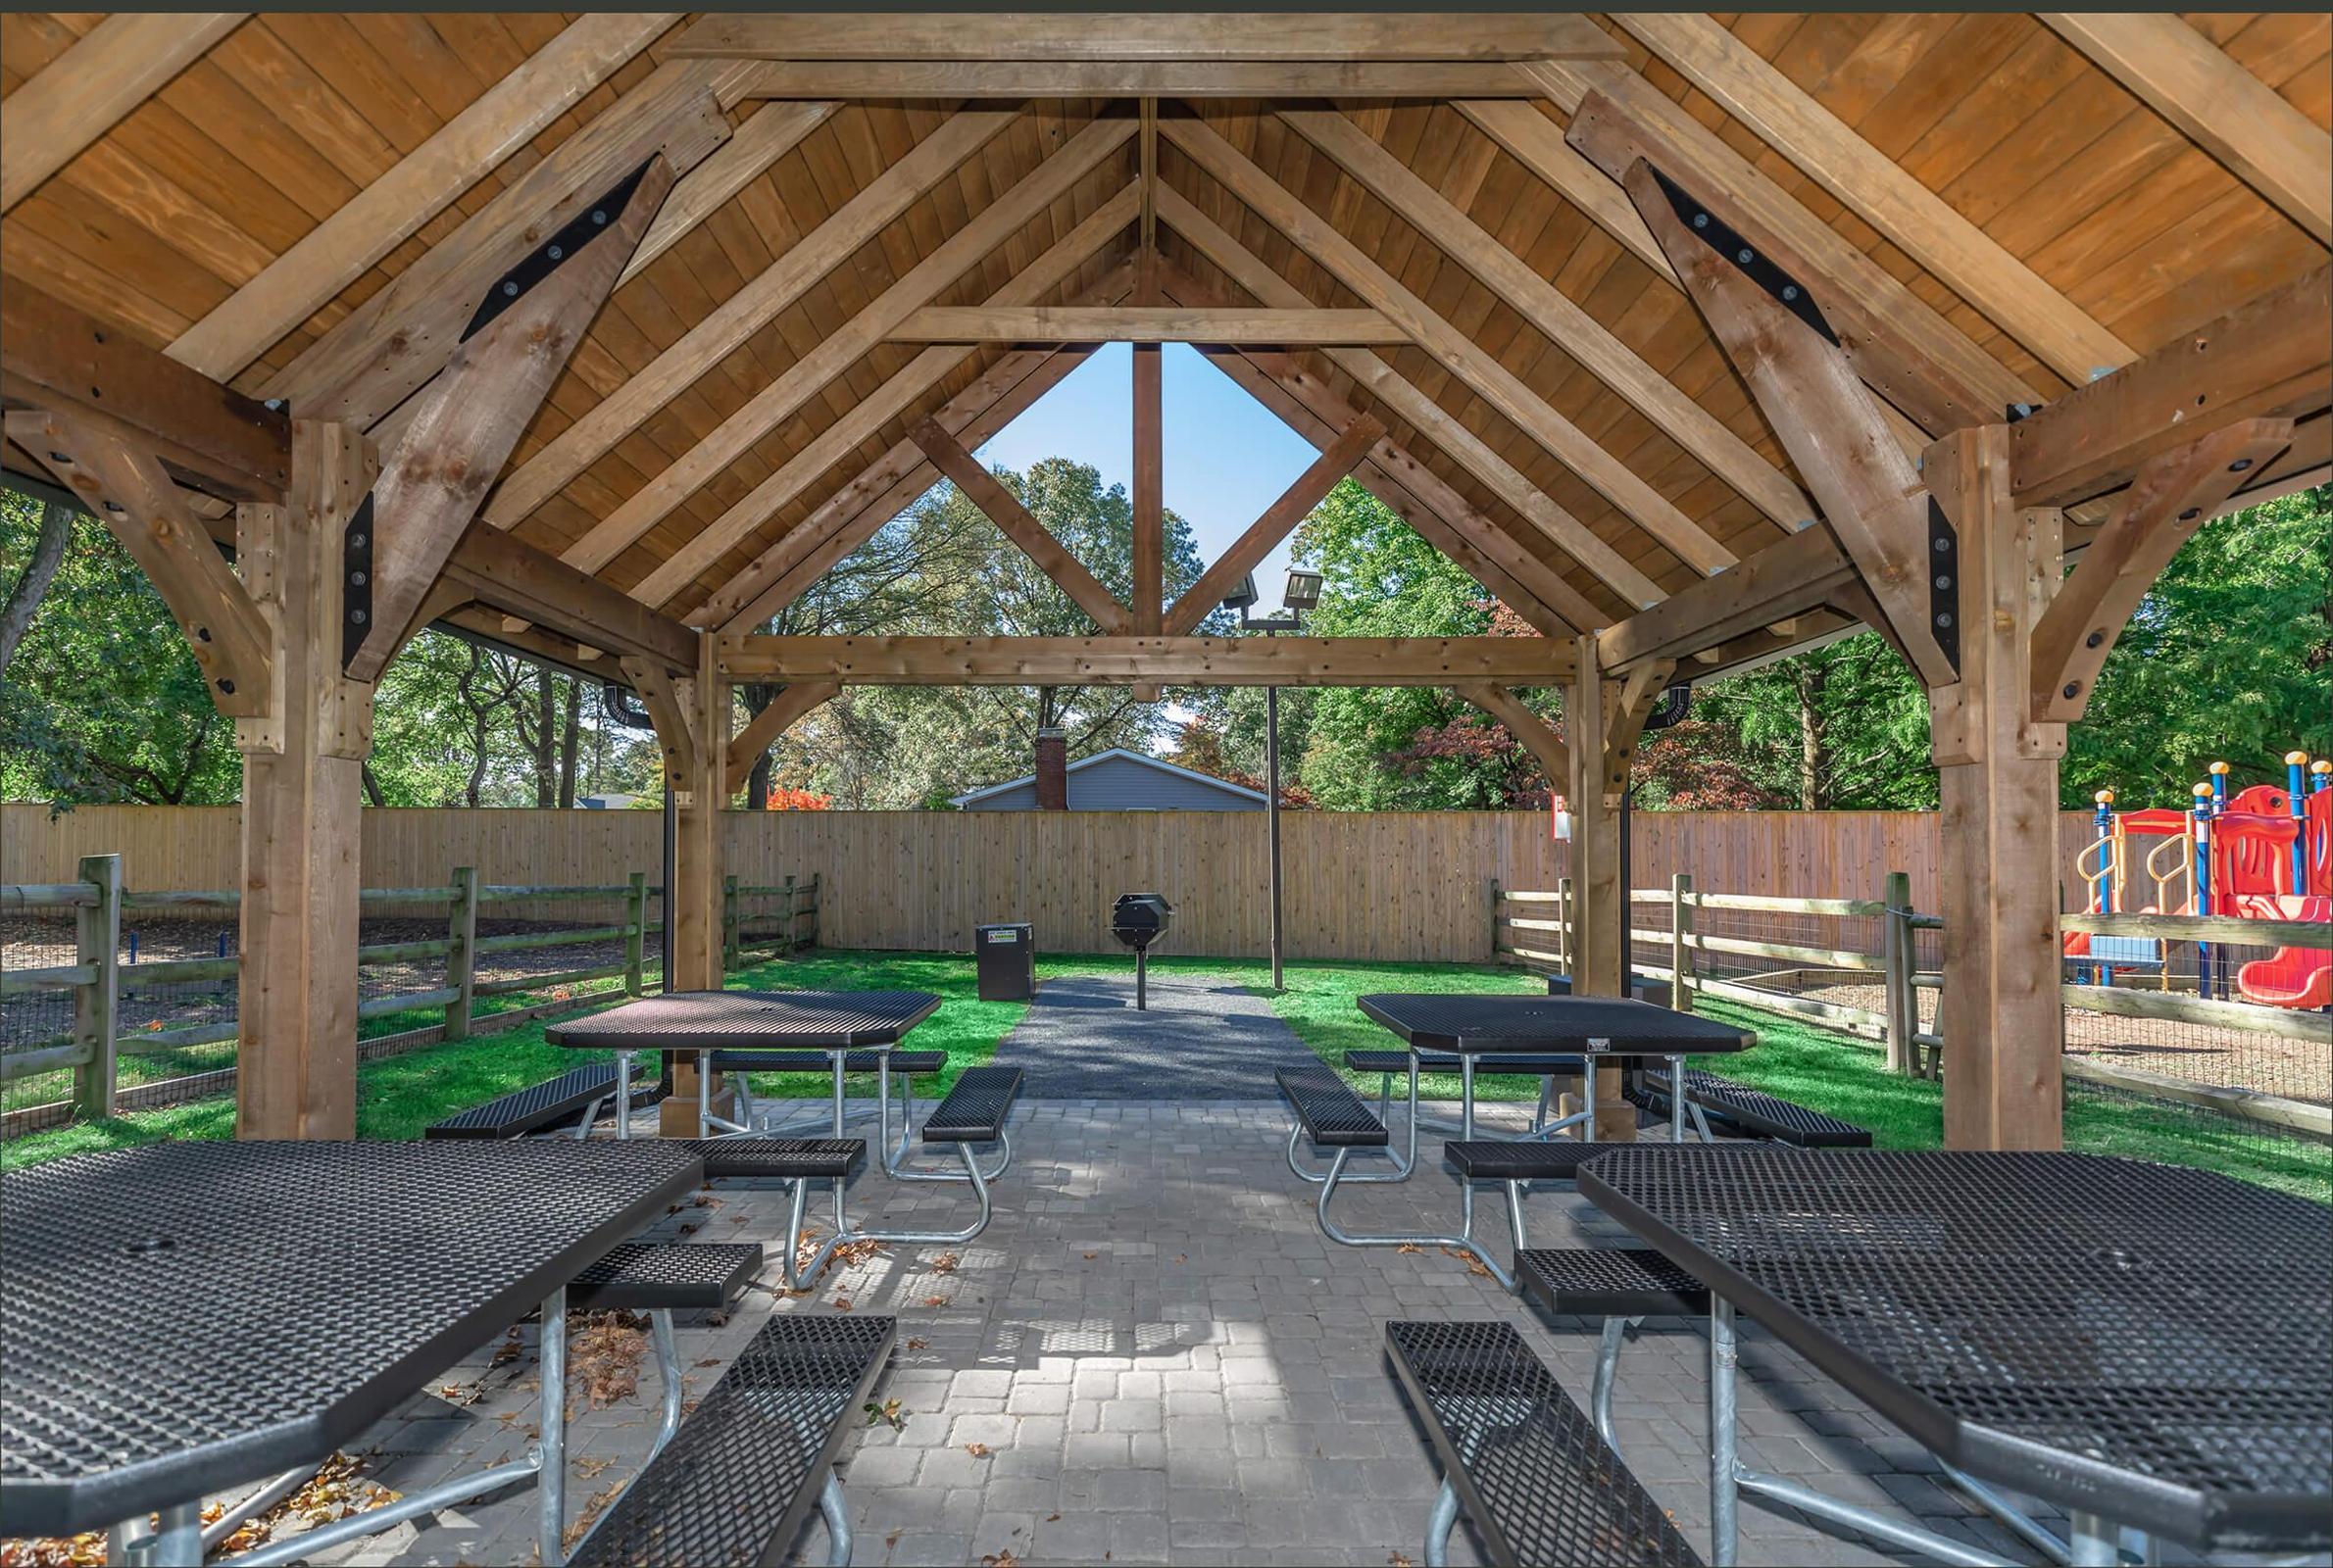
{"x": 1197, "y": 1040}
{"x": 1162, "y": 1361}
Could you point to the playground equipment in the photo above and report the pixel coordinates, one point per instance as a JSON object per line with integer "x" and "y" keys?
{"x": 2260, "y": 853}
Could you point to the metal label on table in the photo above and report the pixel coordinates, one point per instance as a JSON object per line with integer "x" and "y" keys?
{"x": 1598, "y": 1045}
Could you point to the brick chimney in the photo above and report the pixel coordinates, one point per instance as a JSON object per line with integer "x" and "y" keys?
{"x": 1052, "y": 770}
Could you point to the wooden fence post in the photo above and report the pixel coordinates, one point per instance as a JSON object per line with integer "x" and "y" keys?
{"x": 791, "y": 922}
{"x": 728, "y": 922}
{"x": 1494, "y": 942}
{"x": 1896, "y": 949}
{"x": 96, "y": 1006}
{"x": 818, "y": 882}
{"x": 462, "y": 969}
{"x": 1680, "y": 944}
{"x": 1564, "y": 944}
{"x": 635, "y": 932}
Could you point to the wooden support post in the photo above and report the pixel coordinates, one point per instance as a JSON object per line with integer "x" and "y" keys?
{"x": 302, "y": 792}
{"x": 1681, "y": 942}
{"x": 1150, "y": 593}
{"x": 462, "y": 962}
{"x": 729, "y": 940}
{"x": 635, "y": 934}
{"x": 2004, "y": 1082}
{"x": 1895, "y": 953}
{"x": 1599, "y": 957}
{"x": 96, "y": 1006}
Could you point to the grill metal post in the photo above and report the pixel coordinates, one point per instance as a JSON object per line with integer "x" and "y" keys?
{"x": 1272, "y": 811}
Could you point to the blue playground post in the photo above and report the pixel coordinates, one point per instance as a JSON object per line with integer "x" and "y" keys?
{"x": 2203, "y": 879}
{"x": 2320, "y": 774}
{"x": 2219, "y": 808}
{"x": 2298, "y": 803}
{"x": 2110, "y": 875}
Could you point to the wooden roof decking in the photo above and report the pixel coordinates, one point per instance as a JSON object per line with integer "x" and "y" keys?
{"x": 2043, "y": 212}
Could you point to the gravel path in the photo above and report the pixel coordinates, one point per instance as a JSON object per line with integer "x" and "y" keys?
{"x": 1199, "y": 1040}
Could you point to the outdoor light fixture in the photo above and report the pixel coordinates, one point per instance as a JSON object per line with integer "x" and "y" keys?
{"x": 1241, "y": 596}
{"x": 1303, "y": 593}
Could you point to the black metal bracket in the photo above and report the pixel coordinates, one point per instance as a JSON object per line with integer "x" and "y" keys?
{"x": 546, "y": 258}
{"x": 2022, "y": 411}
{"x": 1676, "y": 700}
{"x": 355, "y": 585}
{"x": 1944, "y": 584}
{"x": 1788, "y": 292}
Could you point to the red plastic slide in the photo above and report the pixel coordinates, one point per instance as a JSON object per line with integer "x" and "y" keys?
{"x": 2299, "y": 978}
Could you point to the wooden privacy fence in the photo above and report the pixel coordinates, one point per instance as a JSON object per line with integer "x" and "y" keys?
{"x": 2289, "y": 1079}
{"x": 1410, "y": 886}
{"x": 95, "y": 1044}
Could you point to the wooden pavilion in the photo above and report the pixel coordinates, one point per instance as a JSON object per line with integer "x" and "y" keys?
{"x": 1695, "y": 338}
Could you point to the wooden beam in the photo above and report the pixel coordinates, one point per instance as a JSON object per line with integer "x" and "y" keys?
{"x": 471, "y": 416}
{"x": 1133, "y": 79}
{"x": 1537, "y": 143}
{"x": 1785, "y": 578}
{"x": 1307, "y": 491}
{"x": 1871, "y": 184}
{"x": 866, "y": 417}
{"x": 753, "y": 307}
{"x": 670, "y": 709}
{"x": 808, "y": 376}
{"x": 91, "y": 87}
{"x": 1531, "y": 732}
{"x": 1141, "y": 324}
{"x": 57, "y": 359}
{"x": 538, "y": 587}
{"x": 303, "y": 795}
{"x": 1490, "y": 379}
{"x": 773, "y": 131}
{"x": 787, "y": 709}
{"x": 1135, "y": 660}
{"x": 2163, "y": 507}
{"x": 391, "y": 208}
{"x": 127, "y": 491}
{"x": 1551, "y": 311}
{"x": 1004, "y": 509}
{"x": 1424, "y": 415}
{"x": 2231, "y": 114}
{"x": 2269, "y": 359}
{"x": 1826, "y": 419}
{"x": 382, "y": 351}
{"x": 948, "y": 36}
{"x": 1907, "y": 351}
{"x": 1150, "y": 462}
{"x": 1998, "y": 777}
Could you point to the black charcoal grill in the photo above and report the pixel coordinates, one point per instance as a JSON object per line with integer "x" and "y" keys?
{"x": 1139, "y": 919}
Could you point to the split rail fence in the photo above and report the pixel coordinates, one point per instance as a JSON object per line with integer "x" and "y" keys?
{"x": 1873, "y": 969}
{"x": 755, "y": 919}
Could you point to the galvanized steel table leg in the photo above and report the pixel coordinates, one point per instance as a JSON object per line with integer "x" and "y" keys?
{"x": 2095, "y": 1544}
{"x": 125, "y": 1541}
{"x": 1608, "y": 1372}
{"x": 623, "y": 1095}
{"x": 177, "y": 1543}
{"x": 837, "y": 1515}
{"x": 1438, "y": 1526}
{"x": 667, "y": 1367}
{"x": 550, "y": 1481}
{"x": 1676, "y": 1099}
{"x": 1724, "y": 1497}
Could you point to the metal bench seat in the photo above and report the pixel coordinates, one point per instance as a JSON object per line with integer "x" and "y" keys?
{"x": 1330, "y": 1113}
{"x": 576, "y": 1092}
{"x": 641, "y": 1276}
{"x": 860, "y": 1061}
{"x": 1749, "y": 1110}
{"x": 976, "y": 1108}
{"x": 740, "y": 1479}
{"x": 1520, "y": 1457}
{"x": 1503, "y": 1160}
{"x": 780, "y": 1158}
{"x": 1609, "y": 1282}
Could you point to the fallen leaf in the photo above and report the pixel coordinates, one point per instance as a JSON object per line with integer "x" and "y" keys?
{"x": 978, "y": 1450}
{"x": 945, "y": 1263}
{"x": 1050, "y": 1517}
{"x": 1002, "y": 1559}
{"x": 1182, "y": 1258}
{"x": 888, "y": 1411}
{"x": 1090, "y": 1256}
{"x": 842, "y": 1303}
{"x": 1409, "y": 1246}
{"x": 935, "y": 1301}
{"x": 589, "y": 1469}
{"x": 1397, "y": 1560}
{"x": 919, "y": 1345}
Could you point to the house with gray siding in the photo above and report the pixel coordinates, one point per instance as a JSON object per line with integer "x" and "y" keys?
{"x": 1121, "y": 780}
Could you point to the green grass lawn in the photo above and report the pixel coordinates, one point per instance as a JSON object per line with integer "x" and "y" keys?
{"x": 1794, "y": 1058}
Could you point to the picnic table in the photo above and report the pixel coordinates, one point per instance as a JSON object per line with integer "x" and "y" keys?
{"x": 187, "y": 1317}
{"x": 836, "y": 1023}
{"x": 1596, "y": 1029}
{"x": 2149, "y": 1346}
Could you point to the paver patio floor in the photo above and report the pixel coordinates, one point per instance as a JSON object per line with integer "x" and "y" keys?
{"x": 1160, "y": 1359}
{"x": 1200, "y": 1040}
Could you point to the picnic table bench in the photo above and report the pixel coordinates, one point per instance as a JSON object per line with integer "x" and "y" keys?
{"x": 577, "y": 1093}
{"x": 1521, "y": 1459}
{"x": 1743, "y": 1109}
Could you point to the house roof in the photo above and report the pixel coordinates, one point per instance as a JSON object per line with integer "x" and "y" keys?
{"x": 296, "y": 198}
{"x": 1160, "y": 763}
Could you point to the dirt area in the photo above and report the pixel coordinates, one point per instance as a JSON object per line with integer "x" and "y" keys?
{"x": 34, "y": 942}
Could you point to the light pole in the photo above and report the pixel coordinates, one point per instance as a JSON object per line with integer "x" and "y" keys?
{"x": 1299, "y": 596}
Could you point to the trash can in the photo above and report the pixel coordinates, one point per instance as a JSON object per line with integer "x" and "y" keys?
{"x": 1006, "y": 957}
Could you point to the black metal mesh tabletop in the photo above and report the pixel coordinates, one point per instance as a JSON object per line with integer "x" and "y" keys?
{"x": 1478, "y": 1026}
{"x": 747, "y": 1021}
{"x": 2148, "y": 1343}
{"x": 180, "y": 1318}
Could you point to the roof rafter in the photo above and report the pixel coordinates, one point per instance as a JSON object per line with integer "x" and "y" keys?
{"x": 1141, "y": 661}
{"x": 1142, "y": 324}
{"x": 1486, "y": 35}
{"x": 1004, "y": 509}
{"x": 1305, "y": 492}
{"x": 84, "y": 93}
{"x": 1490, "y": 379}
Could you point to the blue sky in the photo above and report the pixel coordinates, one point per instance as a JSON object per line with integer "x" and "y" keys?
{"x": 1227, "y": 457}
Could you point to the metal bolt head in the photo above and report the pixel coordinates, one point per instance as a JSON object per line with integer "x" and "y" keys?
{"x": 599, "y": 216}
{"x": 1790, "y": 291}
{"x": 2073, "y": 688}
{"x": 1744, "y": 256}
{"x": 2191, "y": 514}
{"x": 357, "y": 617}
{"x": 226, "y": 686}
{"x": 557, "y": 253}
{"x": 355, "y": 579}
{"x": 2024, "y": 408}
{"x": 356, "y": 541}
{"x": 1943, "y": 581}
{"x": 1701, "y": 220}
{"x": 510, "y": 290}
{"x": 275, "y": 404}
{"x": 1944, "y": 621}
{"x": 2240, "y": 464}
{"x": 2094, "y": 640}
{"x": 1942, "y": 545}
